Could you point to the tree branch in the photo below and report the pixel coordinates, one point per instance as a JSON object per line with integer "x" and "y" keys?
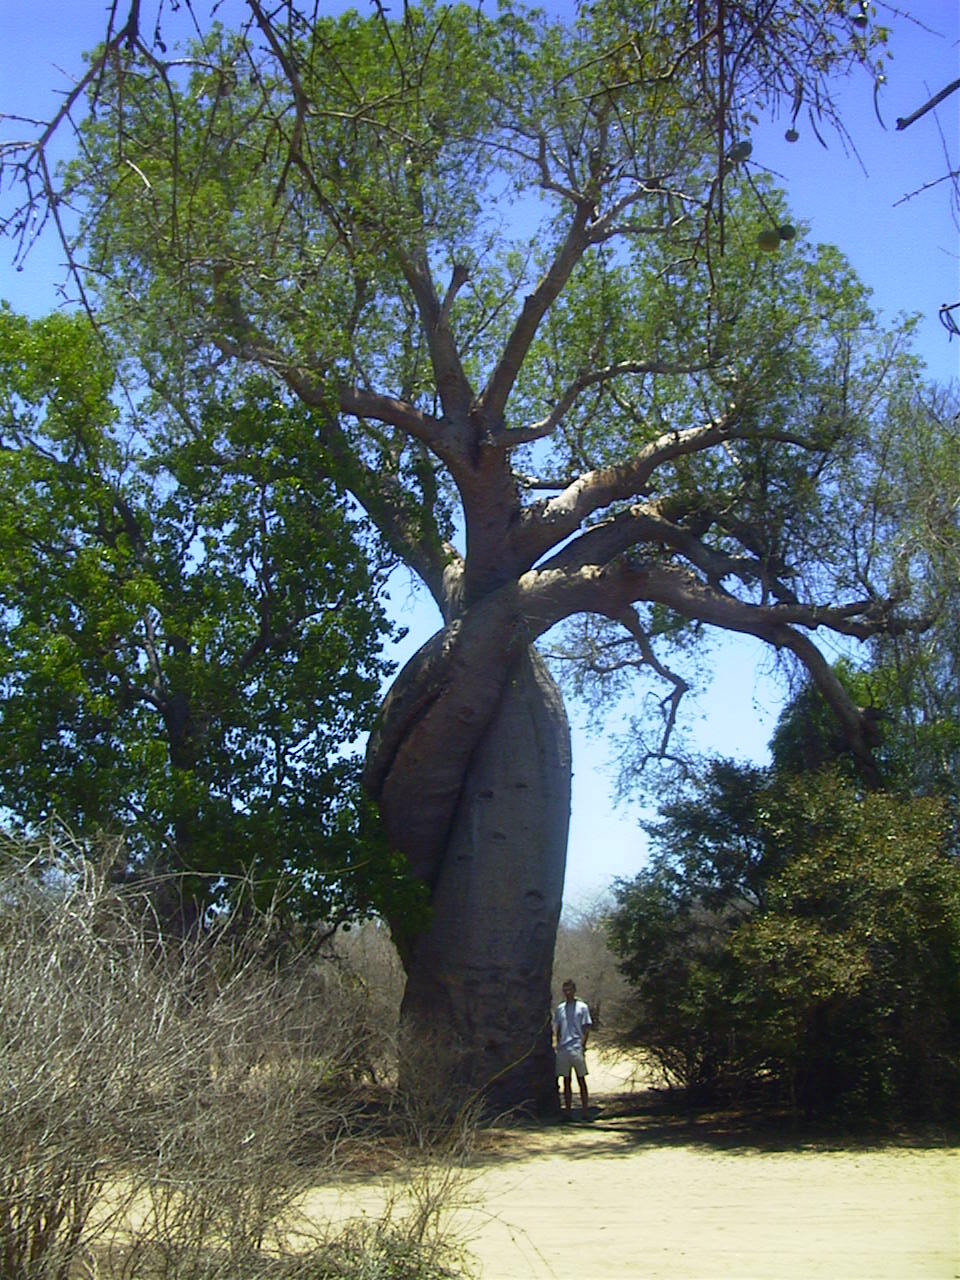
{"x": 395, "y": 413}
{"x": 548, "y": 597}
{"x": 493, "y": 399}
{"x": 437, "y": 434}
{"x": 858, "y": 727}
{"x": 380, "y": 496}
{"x": 629, "y": 618}
{"x": 456, "y": 394}
{"x": 904, "y": 122}
{"x": 595, "y": 377}
{"x": 649, "y": 524}
{"x": 548, "y": 523}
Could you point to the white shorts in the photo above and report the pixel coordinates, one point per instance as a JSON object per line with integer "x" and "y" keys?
{"x": 568, "y": 1059}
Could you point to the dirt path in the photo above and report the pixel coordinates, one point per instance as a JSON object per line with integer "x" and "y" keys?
{"x": 637, "y": 1196}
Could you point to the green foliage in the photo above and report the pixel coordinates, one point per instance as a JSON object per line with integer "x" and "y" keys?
{"x": 672, "y": 923}
{"x": 797, "y": 930}
{"x": 808, "y": 735}
{"x": 909, "y": 486}
{"x": 189, "y": 628}
{"x": 848, "y": 984}
{"x": 915, "y": 675}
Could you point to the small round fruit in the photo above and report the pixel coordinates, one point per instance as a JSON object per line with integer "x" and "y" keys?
{"x": 860, "y": 21}
{"x": 787, "y": 231}
{"x": 791, "y": 135}
{"x": 740, "y": 151}
{"x": 769, "y": 240}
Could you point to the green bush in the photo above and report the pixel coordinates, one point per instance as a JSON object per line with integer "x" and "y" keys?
{"x": 674, "y": 956}
{"x": 817, "y": 948}
{"x": 848, "y": 984}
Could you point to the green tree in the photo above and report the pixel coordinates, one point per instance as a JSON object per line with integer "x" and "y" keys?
{"x": 908, "y": 681}
{"x": 915, "y": 677}
{"x": 566, "y": 351}
{"x": 189, "y": 630}
{"x": 847, "y": 987}
{"x": 672, "y": 923}
{"x": 796, "y": 927}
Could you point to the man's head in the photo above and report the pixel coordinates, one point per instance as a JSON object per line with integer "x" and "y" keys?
{"x": 569, "y": 989}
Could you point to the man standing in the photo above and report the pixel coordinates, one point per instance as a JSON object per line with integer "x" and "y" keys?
{"x": 572, "y": 1023}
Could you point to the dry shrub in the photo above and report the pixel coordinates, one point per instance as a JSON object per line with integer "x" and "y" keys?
{"x": 438, "y": 1116}
{"x": 164, "y": 1104}
{"x": 79, "y": 1011}
{"x": 360, "y": 1250}
{"x": 583, "y": 953}
{"x": 373, "y": 982}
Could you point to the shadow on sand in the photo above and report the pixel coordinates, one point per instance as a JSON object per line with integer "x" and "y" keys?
{"x": 622, "y": 1122}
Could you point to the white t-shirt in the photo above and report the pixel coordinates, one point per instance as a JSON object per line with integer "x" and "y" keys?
{"x": 570, "y": 1021}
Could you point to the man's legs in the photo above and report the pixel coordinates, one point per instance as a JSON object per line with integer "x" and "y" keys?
{"x": 584, "y": 1099}
{"x": 567, "y": 1093}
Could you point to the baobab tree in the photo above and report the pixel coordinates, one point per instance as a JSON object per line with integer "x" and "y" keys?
{"x": 563, "y": 347}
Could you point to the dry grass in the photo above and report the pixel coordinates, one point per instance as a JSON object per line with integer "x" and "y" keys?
{"x": 164, "y": 1106}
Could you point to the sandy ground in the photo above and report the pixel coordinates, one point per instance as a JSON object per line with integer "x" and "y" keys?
{"x": 639, "y": 1195}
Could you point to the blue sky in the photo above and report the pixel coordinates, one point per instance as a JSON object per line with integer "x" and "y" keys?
{"x": 906, "y": 250}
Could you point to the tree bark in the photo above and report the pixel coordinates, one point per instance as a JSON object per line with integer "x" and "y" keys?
{"x": 477, "y": 1001}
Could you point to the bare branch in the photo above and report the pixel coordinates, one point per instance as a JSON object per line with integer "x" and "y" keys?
{"x": 670, "y": 705}
{"x": 691, "y": 597}
{"x": 650, "y": 525}
{"x": 543, "y": 482}
{"x": 595, "y": 377}
{"x": 950, "y": 176}
{"x": 458, "y": 278}
{"x": 547, "y": 524}
{"x": 904, "y": 122}
{"x": 493, "y": 398}
{"x": 552, "y": 594}
{"x": 605, "y": 226}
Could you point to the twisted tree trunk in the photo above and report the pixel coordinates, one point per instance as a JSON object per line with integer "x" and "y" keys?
{"x": 478, "y": 980}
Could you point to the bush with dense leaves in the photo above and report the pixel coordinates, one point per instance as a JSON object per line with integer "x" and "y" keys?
{"x": 815, "y": 946}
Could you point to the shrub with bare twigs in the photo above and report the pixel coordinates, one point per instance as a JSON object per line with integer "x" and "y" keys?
{"x": 164, "y": 1104}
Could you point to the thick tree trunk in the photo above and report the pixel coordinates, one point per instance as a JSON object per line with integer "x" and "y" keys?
{"x": 477, "y": 1001}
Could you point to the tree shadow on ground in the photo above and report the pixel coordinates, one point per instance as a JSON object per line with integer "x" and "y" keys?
{"x": 377, "y": 1138}
{"x": 628, "y": 1122}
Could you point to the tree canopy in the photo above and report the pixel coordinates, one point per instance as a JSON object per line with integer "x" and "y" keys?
{"x": 168, "y": 666}
{"x": 614, "y": 365}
